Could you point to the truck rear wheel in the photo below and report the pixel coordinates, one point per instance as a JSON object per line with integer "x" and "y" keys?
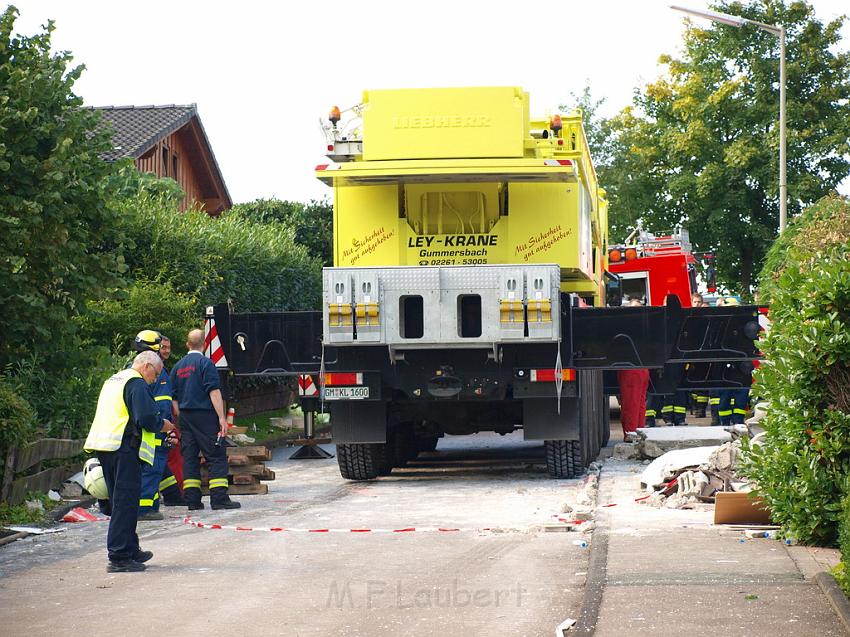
{"x": 564, "y": 458}
{"x": 606, "y": 419}
{"x": 361, "y": 461}
{"x": 427, "y": 444}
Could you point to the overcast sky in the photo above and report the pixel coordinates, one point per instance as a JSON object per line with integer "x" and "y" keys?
{"x": 262, "y": 74}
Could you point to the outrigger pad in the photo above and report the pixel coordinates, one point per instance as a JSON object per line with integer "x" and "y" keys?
{"x": 310, "y": 452}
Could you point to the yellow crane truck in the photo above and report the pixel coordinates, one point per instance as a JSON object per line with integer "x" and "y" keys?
{"x": 470, "y": 289}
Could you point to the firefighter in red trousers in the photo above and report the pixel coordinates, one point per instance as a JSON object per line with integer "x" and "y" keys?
{"x": 633, "y": 386}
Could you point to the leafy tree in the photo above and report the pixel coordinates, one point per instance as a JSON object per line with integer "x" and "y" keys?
{"x": 53, "y": 220}
{"x": 699, "y": 147}
{"x": 312, "y": 222}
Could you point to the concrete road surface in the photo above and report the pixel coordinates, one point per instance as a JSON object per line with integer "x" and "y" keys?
{"x": 501, "y": 574}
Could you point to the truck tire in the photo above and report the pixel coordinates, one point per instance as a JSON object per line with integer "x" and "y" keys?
{"x": 407, "y": 448}
{"x": 606, "y": 420}
{"x": 386, "y": 459}
{"x": 399, "y": 446}
{"x": 564, "y": 458}
{"x": 427, "y": 444}
{"x": 360, "y": 461}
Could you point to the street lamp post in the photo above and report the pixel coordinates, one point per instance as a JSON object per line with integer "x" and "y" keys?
{"x": 778, "y": 31}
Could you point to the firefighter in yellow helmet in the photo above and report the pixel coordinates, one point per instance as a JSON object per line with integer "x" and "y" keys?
{"x": 122, "y": 434}
{"x": 157, "y": 476}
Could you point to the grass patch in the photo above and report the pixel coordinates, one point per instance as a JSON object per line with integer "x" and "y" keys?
{"x": 259, "y": 425}
{"x": 839, "y": 572}
{"x": 20, "y": 514}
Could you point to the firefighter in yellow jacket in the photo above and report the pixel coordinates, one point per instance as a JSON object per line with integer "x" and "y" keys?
{"x": 123, "y": 435}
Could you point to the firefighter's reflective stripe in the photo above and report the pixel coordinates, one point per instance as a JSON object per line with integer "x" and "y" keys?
{"x": 679, "y": 410}
{"x": 191, "y": 483}
{"x": 650, "y": 413}
{"x": 714, "y": 400}
{"x": 112, "y": 416}
{"x": 742, "y": 412}
{"x": 724, "y": 413}
{"x": 163, "y": 397}
{"x": 212, "y": 344}
{"x": 167, "y": 482}
{"x": 667, "y": 409}
{"x": 148, "y": 502}
{"x": 147, "y": 448}
{"x": 217, "y": 483}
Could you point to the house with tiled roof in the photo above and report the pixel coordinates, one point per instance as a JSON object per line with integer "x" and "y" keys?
{"x": 169, "y": 141}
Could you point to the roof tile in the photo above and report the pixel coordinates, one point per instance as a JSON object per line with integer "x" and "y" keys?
{"x": 138, "y": 128}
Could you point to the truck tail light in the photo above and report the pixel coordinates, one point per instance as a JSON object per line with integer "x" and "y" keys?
{"x": 548, "y": 375}
{"x": 343, "y": 378}
{"x": 631, "y": 253}
{"x": 615, "y": 256}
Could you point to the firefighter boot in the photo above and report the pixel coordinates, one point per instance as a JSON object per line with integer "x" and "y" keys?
{"x": 220, "y": 500}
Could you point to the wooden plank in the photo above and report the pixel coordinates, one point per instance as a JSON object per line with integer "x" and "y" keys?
{"x": 238, "y": 460}
{"x": 253, "y": 469}
{"x": 243, "y": 489}
{"x": 46, "y": 449}
{"x": 8, "y": 474}
{"x": 43, "y": 481}
{"x": 244, "y": 478}
{"x": 311, "y": 441}
{"x": 249, "y": 489}
{"x": 258, "y": 452}
{"x": 268, "y": 474}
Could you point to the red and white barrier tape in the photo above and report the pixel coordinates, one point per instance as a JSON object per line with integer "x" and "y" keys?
{"x": 280, "y": 529}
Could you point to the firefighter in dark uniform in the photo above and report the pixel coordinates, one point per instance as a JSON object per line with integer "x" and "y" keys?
{"x": 154, "y": 475}
{"x": 198, "y": 403}
{"x": 123, "y": 434}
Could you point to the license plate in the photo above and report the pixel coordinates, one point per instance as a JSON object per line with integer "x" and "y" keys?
{"x": 346, "y": 393}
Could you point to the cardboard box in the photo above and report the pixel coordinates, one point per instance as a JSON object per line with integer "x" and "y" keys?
{"x": 740, "y": 508}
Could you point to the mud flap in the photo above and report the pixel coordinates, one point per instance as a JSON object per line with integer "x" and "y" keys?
{"x": 541, "y": 420}
{"x": 358, "y": 421}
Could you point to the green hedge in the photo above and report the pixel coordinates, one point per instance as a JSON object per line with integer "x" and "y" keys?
{"x": 17, "y": 420}
{"x": 256, "y": 265}
{"x": 802, "y": 468}
{"x": 822, "y": 226}
{"x": 115, "y": 321}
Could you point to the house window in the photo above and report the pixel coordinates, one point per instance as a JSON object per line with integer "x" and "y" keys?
{"x": 165, "y": 162}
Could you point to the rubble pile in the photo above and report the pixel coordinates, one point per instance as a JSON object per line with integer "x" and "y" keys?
{"x": 683, "y": 478}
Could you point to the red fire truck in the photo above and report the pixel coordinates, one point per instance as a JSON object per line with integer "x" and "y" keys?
{"x": 653, "y": 266}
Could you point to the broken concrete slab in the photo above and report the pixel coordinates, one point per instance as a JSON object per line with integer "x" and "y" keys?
{"x": 671, "y": 463}
{"x": 655, "y": 442}
{"x": 625, "y": 451}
